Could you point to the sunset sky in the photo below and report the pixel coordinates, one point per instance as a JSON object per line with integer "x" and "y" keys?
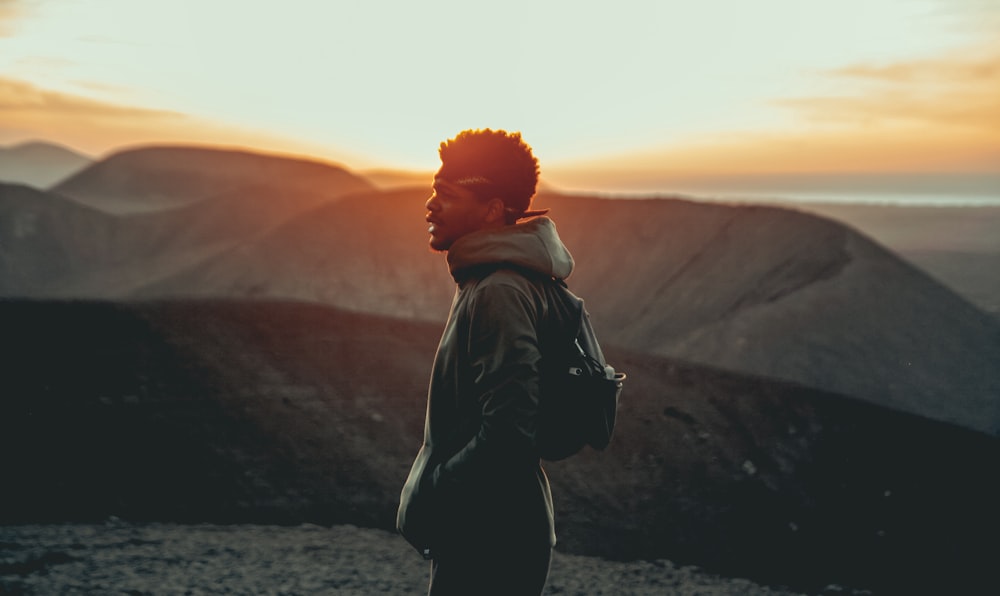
{"x": 632, "y": 95}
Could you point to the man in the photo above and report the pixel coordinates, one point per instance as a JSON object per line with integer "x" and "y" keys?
{"x": 476, "y": 501}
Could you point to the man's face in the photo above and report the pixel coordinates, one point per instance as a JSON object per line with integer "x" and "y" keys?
{"x": 453, "y": 212}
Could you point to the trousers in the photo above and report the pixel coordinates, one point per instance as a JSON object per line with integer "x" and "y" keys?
{"x": 491, "y": 572}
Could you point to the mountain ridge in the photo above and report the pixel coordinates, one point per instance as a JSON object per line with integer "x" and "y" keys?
{"x": 163, "y": 176}
{"x": 755, "y": 289}
{"x": 39, "y": 163}
{"x": 712, "y": 284}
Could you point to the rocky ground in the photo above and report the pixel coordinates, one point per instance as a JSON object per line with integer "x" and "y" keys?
{"x": 279, "y": 414}
{"x": 122, "y": 558}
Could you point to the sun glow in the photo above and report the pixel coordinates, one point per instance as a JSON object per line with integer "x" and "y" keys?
{"x": 675, "y": 88}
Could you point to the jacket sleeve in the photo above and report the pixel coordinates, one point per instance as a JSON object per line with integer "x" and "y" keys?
{"x": 504, "y": 356}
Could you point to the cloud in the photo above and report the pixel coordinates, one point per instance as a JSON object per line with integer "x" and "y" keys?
{"x": 29, "y": 112}
{"x": 921, "y": 150}
{"x": 897, "y": 108}
{"x": 956, "y": 71}
{"x": 939, "y": 114}
{"x": 957, "y": 91}
{"x": 927, "y": 113}
{"x": 18, "y": 98}
{"x": 924, "y": 115}
{"x": 10, "y": 11}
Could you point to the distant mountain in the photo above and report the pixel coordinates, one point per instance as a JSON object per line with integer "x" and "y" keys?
{"x": 365, "y": 253}
{"x": 757, "y": 290}
{"x": 762, "y": 291}
{"x": 144, "y": 214}
{"x": 786, "y": 295}
{"x": 39, "y": 164}
{"x": 959, "y": 246}
{"x": 971, "y": 273}
{"x": 52, "y": 246}
{"x": 388, "y": 179}
{"x": 153, "y": 178}
{"x": 45, "y": 238}
{"x": 268, "y": 412}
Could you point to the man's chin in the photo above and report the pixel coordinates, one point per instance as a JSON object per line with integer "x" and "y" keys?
{"x": 438, "y": 245}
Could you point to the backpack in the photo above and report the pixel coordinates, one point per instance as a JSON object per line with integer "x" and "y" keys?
{"x": 579, "y": 390}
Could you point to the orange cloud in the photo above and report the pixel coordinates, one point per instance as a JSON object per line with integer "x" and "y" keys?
{"x": 954, "y": 109}
{"x": 707, "y": 164}
{"x": 917, "y": 151}
{"x": 91, "y": 126}
{"x": 939, "y": 114}
{"x": 19, "y": 99}
{"x": 9, "y": 11}
{"x": 28, "y": 112}
{"x": 856, "y": 150}
{"x": 933, "y": 115}
{"x": 953, "y": 70}
{"x": 950, "y": 92}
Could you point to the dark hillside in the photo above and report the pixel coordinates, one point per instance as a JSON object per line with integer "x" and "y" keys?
{"x": 52, "y": 246}
{"x": 364, "y": 253}
{"x": 207, "y": 412}
{"x": 756, "y": 290}
{"x": 282, "y": 412}
{"x": 46, "y": 237}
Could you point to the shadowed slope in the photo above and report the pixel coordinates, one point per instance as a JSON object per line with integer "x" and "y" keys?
{"x": 208, "y": 411}
{"x": 973, "y": 274}
{"x": 53, "y": 246}
{"x": 760, "y": 290}
{"x": 270, "y": 412}
{"x": 959, "y": 246}
{"x": 365, "y": 253}
{"x": 44, "y": 238}
{"x": 783, "y": 294}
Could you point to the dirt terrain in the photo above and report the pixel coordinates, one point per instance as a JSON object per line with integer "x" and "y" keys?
{"x": 215, "y": 369}
{"x": 273, "y": 413}
{"x": 250, "y": 559}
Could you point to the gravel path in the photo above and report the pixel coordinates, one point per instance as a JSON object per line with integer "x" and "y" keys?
{"x": 121, "y": 558}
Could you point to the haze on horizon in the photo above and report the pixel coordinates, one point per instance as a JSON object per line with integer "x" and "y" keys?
{"x": 635, "y": 95}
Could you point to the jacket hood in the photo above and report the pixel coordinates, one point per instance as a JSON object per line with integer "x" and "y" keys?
{"x": 534, "y": 245}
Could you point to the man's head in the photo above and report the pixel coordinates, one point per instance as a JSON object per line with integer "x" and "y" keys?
{"x": 487, "y": 179}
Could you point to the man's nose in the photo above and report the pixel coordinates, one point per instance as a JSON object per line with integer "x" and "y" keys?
{"x": 431, "y": 203}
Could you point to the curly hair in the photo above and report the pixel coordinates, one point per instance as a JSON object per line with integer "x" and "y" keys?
{"x": 493, "y": 161}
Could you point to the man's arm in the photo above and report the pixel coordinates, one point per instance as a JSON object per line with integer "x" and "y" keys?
{"x": 504, "y": 355}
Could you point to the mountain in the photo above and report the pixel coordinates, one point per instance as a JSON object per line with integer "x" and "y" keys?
{"x": 958, "y": 245}
{"x": 54, "y": 246}
{"x": 366, "y": 253}
{"x": 45, "y": 238}
{"x": 784, "y": 294}
{"x": 971, "y": 273}
{"x": 388, "y": 179}
{"x": 144, "y": 214}
{"x": 759, "y": 290}
{"x": 39, "y": 164}
{"x": 152, "y": 178}
{"x": 274, "y": 412}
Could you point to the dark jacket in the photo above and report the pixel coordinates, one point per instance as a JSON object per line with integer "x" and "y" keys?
{"x": 477, "y": 479}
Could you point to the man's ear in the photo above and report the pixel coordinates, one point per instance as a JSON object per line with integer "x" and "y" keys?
{"x": 496, "y": 210}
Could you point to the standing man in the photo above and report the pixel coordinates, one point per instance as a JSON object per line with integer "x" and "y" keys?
{"x": 476, "y": 501}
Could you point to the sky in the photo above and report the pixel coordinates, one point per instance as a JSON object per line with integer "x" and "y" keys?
{"x": 619, "y": 95}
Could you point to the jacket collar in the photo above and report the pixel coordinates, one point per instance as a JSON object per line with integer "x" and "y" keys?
{"x": 533, "y": 245}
